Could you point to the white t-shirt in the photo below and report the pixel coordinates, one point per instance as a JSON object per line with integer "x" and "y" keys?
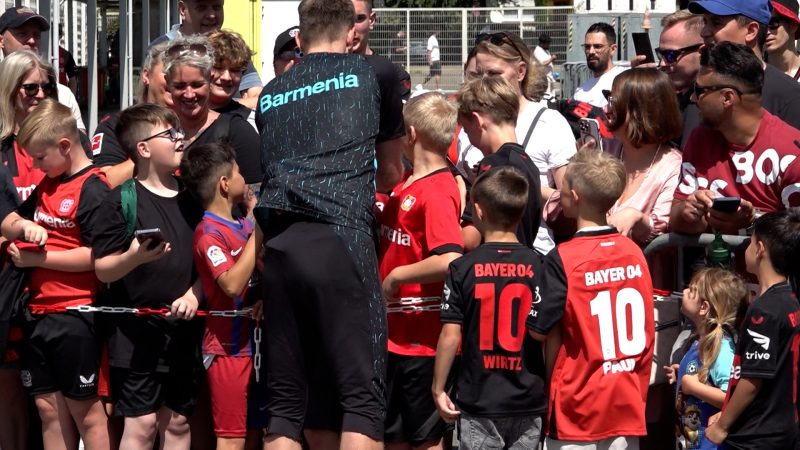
{"x": 543, "y": 55}
{"x": 433, "y": 47}
{"x": 551, "y": 146}
{"x": 591, "y": 91}
{"x": 67, "y": 98}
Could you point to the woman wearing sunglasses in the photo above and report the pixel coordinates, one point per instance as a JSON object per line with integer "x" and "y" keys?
{"x": 106, "y": 149}
{"x": 188, "y": 64}
{"x": 544, "y": 133}
{"x": 643, "y": 114}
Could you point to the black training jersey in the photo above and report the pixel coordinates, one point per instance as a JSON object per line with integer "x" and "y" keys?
{"x": 393, "y": 91}
{"x": 318, "y": 124}
{"x": 106, "y": 149}
{"x": 489, "y": 291}
{"x": 511, "y": 154}
{"x": 768, "y": 349}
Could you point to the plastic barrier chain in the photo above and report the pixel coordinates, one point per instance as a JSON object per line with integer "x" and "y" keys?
{"x": 414, "y": 304}
{"x": 45, "y": 309}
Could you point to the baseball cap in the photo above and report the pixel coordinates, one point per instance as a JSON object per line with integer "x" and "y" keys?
{"x": 16, "y": 16}
{"x": 285, "y": 38}
{"x": 758, "y": 10}
{"x": 789, "y": 10}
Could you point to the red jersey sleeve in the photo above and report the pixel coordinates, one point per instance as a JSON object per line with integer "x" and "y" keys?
{"x": 442, "y": 223}
{"x": 211, "y": 250}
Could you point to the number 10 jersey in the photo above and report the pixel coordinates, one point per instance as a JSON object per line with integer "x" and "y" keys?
{"x": 597, "y": 287}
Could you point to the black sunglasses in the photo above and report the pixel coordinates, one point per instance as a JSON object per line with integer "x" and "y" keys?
{"x": 672, "y": 56}
{"x": 172, "y": 133}
{"x": 182, "y": 49}
{"x": 698, "y": 90}
{"x": 498, "y": 39}
{"x": 31, "y": 89}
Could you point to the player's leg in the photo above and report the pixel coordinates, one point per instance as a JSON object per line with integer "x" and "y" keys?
{"x": 424, "y": 428}
{"x": 90, "y": 416}
{"x": 173, "y": 430}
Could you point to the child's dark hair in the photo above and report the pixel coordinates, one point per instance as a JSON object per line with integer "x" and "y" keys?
{"x": 136, "y": 123}
{"x": 202, "y": 166}
{"x": 502, "y": 193}
{"x": 780, "y": 233}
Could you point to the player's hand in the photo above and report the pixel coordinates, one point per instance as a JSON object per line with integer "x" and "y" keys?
{"x": 731, "y": 223}
{"x": 33, "y": 232}
{"x": 258, "y": 311}
{"x": 446, "y": 407}
{"x": 141, "y": 253}
{"x": 672, "y": 373}
{"x": 697, "y": 204}
{"x": 714, "y": 431}
{"x": 22, "y": 258}
{"x": 391, "y": 288}
{"x": 183, "y": 308}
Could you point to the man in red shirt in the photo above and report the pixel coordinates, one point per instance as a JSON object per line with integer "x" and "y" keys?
{"x": 740, "y": 150}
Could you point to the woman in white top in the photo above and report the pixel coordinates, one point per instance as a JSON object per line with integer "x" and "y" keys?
{"x": 550, "y": 143}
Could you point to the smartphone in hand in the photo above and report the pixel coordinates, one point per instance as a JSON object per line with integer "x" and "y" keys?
{"x": 641, "y": 43}
{"x": 153, "y": 234}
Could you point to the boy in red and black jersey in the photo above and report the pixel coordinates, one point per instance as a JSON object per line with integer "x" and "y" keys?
{"x": 487, "y": 296}
{"x": 487, "y": 111}
{"x": 420, "y": 236}
{"x": 60, "y": 358}
{"x": 760, "y": 409}
{"x": 596, "y": 315}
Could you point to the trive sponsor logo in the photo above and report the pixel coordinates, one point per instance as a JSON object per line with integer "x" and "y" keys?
{"x": 396, "y": 236}
{"x": 623, "y": 365}
{"x": 756, "y": 355}
{"x": 504, "y": 270}
{"x": 613, "y": 274}
{"x": 493, "y": 362}
{"x": 52, "y": 222}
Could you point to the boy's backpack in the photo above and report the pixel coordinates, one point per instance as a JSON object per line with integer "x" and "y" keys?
{"x": 128, "y": 198}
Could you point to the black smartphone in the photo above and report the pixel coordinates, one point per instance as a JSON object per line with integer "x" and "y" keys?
{"x": 154, "y": 234}
{"x": 726, "y": 204}
{"x": 641, "y": 42}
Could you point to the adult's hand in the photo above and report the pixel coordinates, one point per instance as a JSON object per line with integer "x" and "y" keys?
{"x": 731, "y": 223}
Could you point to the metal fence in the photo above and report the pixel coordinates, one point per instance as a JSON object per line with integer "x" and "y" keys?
{"x": 409, "y": 29}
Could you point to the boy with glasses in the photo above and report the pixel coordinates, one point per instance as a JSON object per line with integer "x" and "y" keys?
{"x": 155, "y": 360}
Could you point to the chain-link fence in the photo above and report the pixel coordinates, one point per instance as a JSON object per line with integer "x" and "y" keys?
{"x": 402, "y": 35}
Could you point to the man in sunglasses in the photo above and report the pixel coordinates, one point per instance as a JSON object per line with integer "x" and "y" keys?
{"x": 599, "y": 46}
{"x": 782, "y": 32}
{"x": 740, "y": 150}
{"x": 21, "y": 29}
{"x": 286, "y": 52}
{"x": 745, "y": 22}
{"x": 202, "y": 16}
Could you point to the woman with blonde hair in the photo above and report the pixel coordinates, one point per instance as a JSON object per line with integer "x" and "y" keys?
{"x": 544, "y": 132}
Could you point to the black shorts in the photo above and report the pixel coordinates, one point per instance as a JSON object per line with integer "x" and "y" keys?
{"x": 139, "y": 393}
{"x": 412, "y": 416}
{"x": 436, "y": 68}
{"x": 325, "y": 309}
{"x": 60, "y": 353}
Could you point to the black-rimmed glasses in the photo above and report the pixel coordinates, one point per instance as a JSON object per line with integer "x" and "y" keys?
{"x": 31, "y": 89}
{"x": 672, "y": 56}
{"x": 172, "y": 133}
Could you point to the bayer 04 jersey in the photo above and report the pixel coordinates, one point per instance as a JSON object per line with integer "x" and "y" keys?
{"x": 597, "y": 289}
{"x": 489, "y": 291}
{"x": 318, "y": 124}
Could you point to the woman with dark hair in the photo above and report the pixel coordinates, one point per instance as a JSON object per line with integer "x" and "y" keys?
{"x": 643, "y": 114}
{"x": 188, "y": 64}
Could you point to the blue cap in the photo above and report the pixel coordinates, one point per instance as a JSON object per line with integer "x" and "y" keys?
{"x": 758, "y": 10}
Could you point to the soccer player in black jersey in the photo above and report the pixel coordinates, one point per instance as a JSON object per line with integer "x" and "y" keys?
{"x": 760, "y": 409}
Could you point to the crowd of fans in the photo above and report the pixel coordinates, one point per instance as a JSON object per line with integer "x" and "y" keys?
{"x": 329, "y": 261}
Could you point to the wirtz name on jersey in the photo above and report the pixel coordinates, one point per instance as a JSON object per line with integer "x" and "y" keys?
{"x": 52, "y": 222}
{"x": 502, "y": 362}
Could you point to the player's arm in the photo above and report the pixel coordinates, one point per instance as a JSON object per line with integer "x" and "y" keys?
{"x": 390, "y": 163}
{"x": 234, "y": 280}
{"x": 471, "y": 237}
{"x": 742, "y": 397}
{"x": 429, "y": 270}
{"x": 449, "y": 340}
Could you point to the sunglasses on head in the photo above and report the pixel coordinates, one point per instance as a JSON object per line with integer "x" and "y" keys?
{"x": 498, "y": 39}
{"x": 182, "y": 49}
{"x": 172, "y": 133}
{"x": 672, "y": 56}
{"x": 31, "y": 89}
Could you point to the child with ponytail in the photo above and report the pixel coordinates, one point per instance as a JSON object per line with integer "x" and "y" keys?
{"x": 712, "y": 301}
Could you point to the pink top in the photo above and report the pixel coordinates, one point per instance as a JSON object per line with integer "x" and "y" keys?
{"x": 654, "y": 196}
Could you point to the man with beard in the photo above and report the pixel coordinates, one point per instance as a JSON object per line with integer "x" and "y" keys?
{"x": 740, "y": 149}
{"x": 600, "y": 44}
{"x": 745, "y": 22}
